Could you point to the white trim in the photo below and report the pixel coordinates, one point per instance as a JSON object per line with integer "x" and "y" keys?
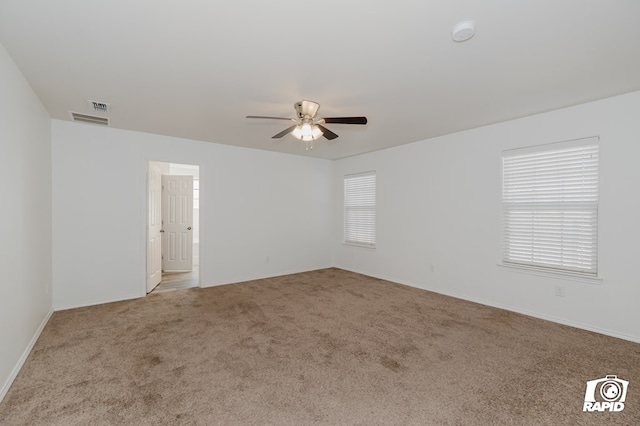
{"x": 98, "y": 302}
{"x": 14, "y": 373}
{"x": 561, "y": 275}
{"x": 266, "y": 277}
{"x": 635, "y": 339}
{"x": 546, "y": 191}
{"x": 587, "y": 140}
{"x": 144, "y": 208}
{"x": 202, "y": 224}
{"x": 366, "y": 246}
{"x": 144, "y": 225}
{"x": 366, "y": 229}
{"x": 361, "y": 174}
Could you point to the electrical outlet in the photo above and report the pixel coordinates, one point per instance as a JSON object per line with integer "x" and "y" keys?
{"x": 560, "y": 291}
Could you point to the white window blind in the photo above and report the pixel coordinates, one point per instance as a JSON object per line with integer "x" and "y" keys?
{"x": 360, "y": 209}
{"x": 550, "y": 207}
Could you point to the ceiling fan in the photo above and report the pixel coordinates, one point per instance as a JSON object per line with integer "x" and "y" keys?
{"x": 308, "y": 127}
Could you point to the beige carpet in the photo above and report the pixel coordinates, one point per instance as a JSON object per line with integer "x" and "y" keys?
{"x": 324, "y": 347}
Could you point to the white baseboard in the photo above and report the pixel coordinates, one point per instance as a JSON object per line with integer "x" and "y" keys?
{"x": 23, "y": 358}
{"x": 97, "y": 302}
{"x": 264, "y": 277}
{"x": 563, "y": 321}
{"x": 558, "y": 320}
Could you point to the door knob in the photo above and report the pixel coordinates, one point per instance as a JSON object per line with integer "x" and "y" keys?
{"x": 162, "y": 230}
{"x": 188, "y": 228}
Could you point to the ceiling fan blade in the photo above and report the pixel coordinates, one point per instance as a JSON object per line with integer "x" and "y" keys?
{"x": 271, "y": 118}
{"x": 284, "y": 132}
{"x": 346, "y": 120}
{"x": 326, "y": 132}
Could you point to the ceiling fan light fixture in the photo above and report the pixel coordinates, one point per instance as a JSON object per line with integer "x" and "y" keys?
{"x": 297, "y": 132}
{"x": 306, "y": 132}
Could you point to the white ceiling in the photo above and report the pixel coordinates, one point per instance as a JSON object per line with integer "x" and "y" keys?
{"x": 195, "y": 68}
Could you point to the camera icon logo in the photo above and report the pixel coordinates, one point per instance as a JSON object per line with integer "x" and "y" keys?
{"x": 605, "y": 394}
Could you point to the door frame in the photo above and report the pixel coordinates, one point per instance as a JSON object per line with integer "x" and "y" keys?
{"x": 154, "y": 226}
{"x": 144, "y": 214}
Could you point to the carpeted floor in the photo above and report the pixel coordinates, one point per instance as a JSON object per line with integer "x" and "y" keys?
{"x": 324, "y": 347}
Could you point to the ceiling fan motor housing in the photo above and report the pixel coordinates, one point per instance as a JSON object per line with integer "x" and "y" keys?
{"x": 306, "y": 108}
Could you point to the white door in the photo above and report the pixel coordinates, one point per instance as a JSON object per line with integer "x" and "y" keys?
{"x": 177, "y": 223}
{"x": 154, "y": 225}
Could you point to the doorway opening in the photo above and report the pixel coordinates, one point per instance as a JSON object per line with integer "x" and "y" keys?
{"x": 173, "y": 226}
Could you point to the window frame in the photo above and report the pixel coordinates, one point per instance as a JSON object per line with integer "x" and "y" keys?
{"x": 587, "y": 202}
{"x": 349, "y": 207}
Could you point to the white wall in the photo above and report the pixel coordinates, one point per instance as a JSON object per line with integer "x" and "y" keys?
{"x": 25, "y": 219}
{"x": 439, "y": 217}
{"x": 262, "y": 213}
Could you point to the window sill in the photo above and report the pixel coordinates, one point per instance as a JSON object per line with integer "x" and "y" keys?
{"x": 550, "y": 274}
{"x": 365, "y": 246}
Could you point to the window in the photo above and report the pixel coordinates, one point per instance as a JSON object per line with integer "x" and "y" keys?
{"x": 360, "y": 209}
{"x": 550, "y": 207}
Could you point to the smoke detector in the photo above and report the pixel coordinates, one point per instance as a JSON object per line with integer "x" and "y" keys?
{"x": 463, "y": 31}
{"x": 99, "y": 106}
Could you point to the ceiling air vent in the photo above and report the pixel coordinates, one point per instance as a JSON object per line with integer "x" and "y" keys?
{"x": 99, "y": 106}
{"x": 92, "y": 119}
